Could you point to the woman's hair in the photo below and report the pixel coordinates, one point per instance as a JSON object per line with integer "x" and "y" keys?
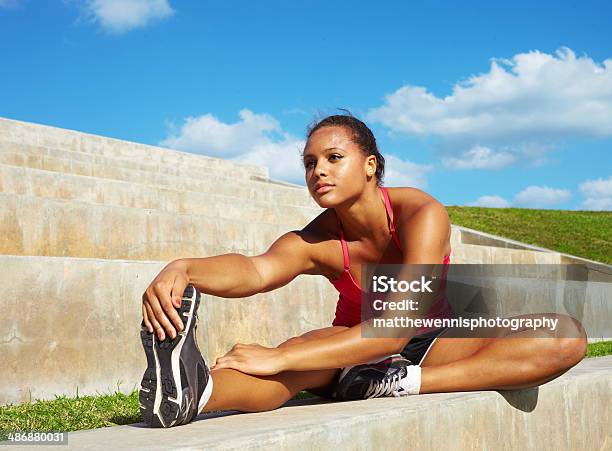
{"x": 361, "y": 135}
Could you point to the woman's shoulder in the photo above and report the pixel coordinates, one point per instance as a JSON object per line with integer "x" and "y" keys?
{"x": 322, "y": 235}
{"x": 420, "y": 215}
{"x": 406, "y": 201}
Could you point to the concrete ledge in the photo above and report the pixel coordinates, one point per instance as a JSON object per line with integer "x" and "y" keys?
{"x": 56, "y": 227}
{"x": 570, "y": 413}
{"x": 464, "y": 235}
{"x": 59, "y": 157}
{"x": 71, "y": 323}
{"x": 197, "y": 181}
{"x": 80, "y": 188}
{"x": 29, "y": 134}
{"x": 471, "y": 253}
{"x": 471, "y": 236}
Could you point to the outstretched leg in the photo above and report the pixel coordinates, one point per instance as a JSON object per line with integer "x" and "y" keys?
{"x": 234, "y": 390}
{"x": 510, "y": 360}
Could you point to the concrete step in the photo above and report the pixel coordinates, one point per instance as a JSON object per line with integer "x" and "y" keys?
{"x": 470, "y": 236}
{"x": 53, "y": 138}
{"x": 571, "y": 412}
{"x": 204, "y": 181}
{"x": 54, "y": 227}
{"x": 30, "y": 153}
{"x": 65, "y": 320}
{"x": 478, "y": 254}
{"x": 71, "y": 323}
{"x": 41, "y": 183}
{"x": 466, "y": 235}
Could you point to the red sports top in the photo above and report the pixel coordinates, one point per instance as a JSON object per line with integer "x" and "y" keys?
{"x": 348, "y": 309}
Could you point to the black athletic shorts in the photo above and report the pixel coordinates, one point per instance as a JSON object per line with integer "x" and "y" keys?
{"x": 418, "y": 347}
{"x": 415, "y": 351}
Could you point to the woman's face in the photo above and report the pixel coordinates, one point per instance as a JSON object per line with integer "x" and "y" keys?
{"x": 335, "y": 167}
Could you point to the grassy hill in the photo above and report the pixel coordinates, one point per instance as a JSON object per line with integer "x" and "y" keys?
{"x": 585, "y": 234}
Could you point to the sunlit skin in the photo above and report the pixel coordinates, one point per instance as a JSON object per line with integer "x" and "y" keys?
{"x": 252, "y": 377}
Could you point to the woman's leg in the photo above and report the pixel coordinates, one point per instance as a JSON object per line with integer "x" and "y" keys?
{"x": 510, "y": 360}
{"x": 234, "y": 390}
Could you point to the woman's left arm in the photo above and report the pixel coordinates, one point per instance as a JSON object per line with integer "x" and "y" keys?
{"x": 423, "y": 236}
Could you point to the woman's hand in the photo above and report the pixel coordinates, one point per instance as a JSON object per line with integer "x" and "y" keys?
{"x": 161, "y": 299}
{"x": 252, "y": 359}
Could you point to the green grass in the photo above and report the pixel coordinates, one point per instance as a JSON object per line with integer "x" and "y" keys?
{"x": 599, "y": 349}
{"x": 89, "y": 412}
{"x": 586, "y": 234}
{"x": 70, "y": 414}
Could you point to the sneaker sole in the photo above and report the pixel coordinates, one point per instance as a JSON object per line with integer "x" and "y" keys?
{"x": 163, "y": 400}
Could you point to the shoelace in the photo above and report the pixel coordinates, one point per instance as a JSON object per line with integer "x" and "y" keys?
{"x": 387, "y": 386}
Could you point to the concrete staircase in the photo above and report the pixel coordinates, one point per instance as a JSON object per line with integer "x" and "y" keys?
{"x": 86, "y": 222}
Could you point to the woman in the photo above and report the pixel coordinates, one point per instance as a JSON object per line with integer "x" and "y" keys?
{"x": 362, "y": 223}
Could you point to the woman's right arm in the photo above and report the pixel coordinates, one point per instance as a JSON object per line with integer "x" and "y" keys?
{"x": 228, "y": 275}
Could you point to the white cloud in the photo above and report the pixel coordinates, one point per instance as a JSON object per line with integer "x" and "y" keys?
{"x": 9, "y": 3}
{"x": 520, "y": 106}
{"x": 604, "y": 204}
{"x": 531, "y": 197}
{"x": 260, "y": 140}
{"x": 207, "y": 133}
{"x": 255, "y": 139}
{"x": 282, "y": 159}
{"x": 598, "y": 194}
{"x": 120, "y": 16}
{"x": 491, "y": 202}
{"x": 541, "y": 196}
{"x": 479, "y": 157}
{"x": 405, "y": 173}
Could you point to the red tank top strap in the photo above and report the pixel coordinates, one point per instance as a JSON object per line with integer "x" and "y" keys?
{"x": 345, "y": 254}
{"x": 390, "y": 216}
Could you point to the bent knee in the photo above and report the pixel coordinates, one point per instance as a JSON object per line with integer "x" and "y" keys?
{"x": 572, "y": 345}
{"x": 569, "y": 351}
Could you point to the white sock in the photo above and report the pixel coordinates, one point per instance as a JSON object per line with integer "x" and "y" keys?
{"x": 412, "y": 382}
{"x": 206, "y": 394}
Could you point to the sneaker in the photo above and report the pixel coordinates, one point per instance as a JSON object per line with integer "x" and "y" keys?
{"x": 373, "y": 380}
{"x": 176, "y": 376}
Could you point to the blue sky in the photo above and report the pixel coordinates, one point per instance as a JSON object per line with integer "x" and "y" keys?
{"x": 478, "y": 104}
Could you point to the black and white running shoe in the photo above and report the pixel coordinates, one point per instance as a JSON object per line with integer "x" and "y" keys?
{"x": 373, "y": 380}
{"x": 176, "y": 376}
